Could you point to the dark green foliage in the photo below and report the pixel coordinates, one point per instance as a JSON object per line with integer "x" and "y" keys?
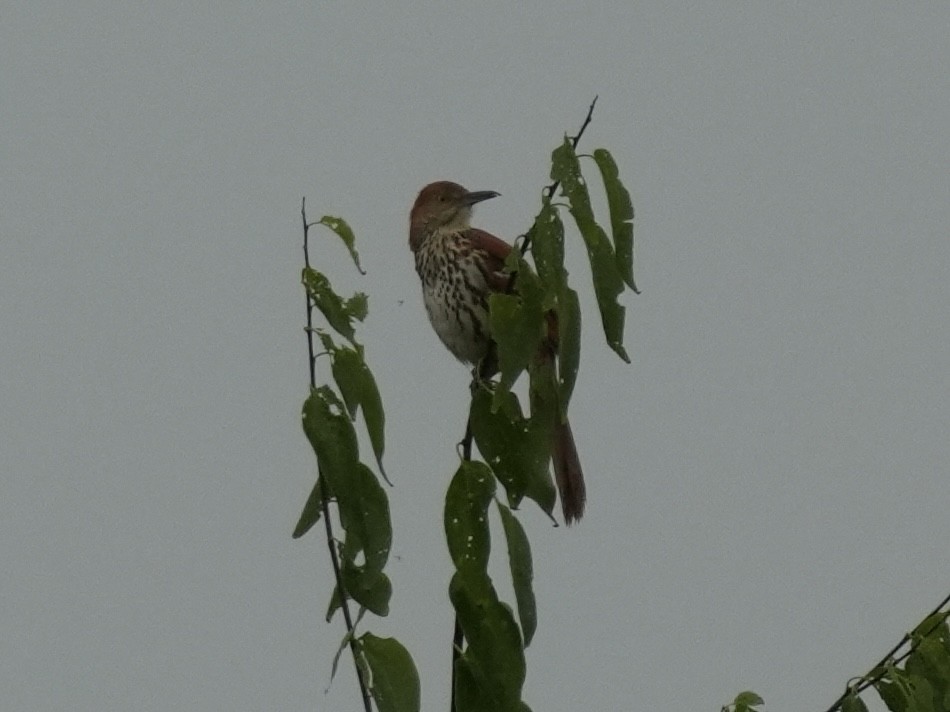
{"x": 518, "y": 449}
{"x": 386, "y": 669}
{"x": 517, "y": 323}
{"x": 923, "y": 684}
{"x": 915, "y": 680}
{"x": 536, "y": 328}
{"x": 522, "y": 572}
{"x": 332, "y": 436}
{"x": 340, "y": 313}
{"x": 359, "y": 391}
{"x": 608, "y": 280}
{"x": 491, "y": 671}
{"x": 621, "y": 215}
{"x": 548, "y": 251}
{"x": 339, "y": 226}
{"x": 311, "y": 511}
{"x": 466, "y": 517}
{"x": 744, "y": 702}
{"x": 853, "y": 703}
{"x": 394, "y": 682}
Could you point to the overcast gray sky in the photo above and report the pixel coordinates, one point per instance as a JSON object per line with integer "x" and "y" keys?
{"x": 768, "y": 492}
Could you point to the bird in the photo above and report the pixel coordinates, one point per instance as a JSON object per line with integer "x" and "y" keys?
{"x": 460, "y": 266}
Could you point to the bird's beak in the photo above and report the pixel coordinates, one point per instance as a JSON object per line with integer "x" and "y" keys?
{"x": 477, "y": 196}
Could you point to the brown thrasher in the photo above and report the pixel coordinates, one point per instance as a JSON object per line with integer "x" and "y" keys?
{"x": 460, "y": 266}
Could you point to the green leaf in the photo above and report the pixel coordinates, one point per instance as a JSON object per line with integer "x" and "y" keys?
{"x": 569, "y": 350}
{"x": 547, "y": 247}
{"x": 364, "y": 509}
{"x": 466, "y": 516}
{"x": 339, "y": 651}
{"x": 357, "y": 306}
{"x": 339, "y": 313}
{"x": 311, "y": 511}
{"x": 922, "y": 694}
{"x": 517, "y": 323}
{"x": 895, "y": 689}
{"x": 934, "y": 625}
{"x": 340, "y": 227}
{"x": 522, "y": 572}
{"x": 935, "y": 662}
{"x": 393, "y": 680}
{"x": 514, "y": 334}
{"x": 621, "y": 215}
{"x": 517, "y": 449}
{"x": 336, "y": 603}
{"x": 747, "y": 699}
{"x": 359, "y": 390}
{"x": 853, "y": 703}
{"x": 494, "y": 658}
{"x": 608, "y": 282}
{"x": 893, "y": 696}
{"x": 371, "y": 590}
{"x": 332, "y": 437}
{"x": 364, "y": 514}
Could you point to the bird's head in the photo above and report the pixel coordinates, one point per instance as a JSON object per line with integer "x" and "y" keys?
{"x": 443, "y": 206}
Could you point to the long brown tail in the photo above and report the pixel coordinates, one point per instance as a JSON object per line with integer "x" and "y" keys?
{"x": 568, "y": 473}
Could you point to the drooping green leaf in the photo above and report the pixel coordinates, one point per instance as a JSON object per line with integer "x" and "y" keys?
{"x": 569, "y": 350}
{"x": 311, "y": 511}
{"x": 522, "y": 572}
{"x": 393, "y": 680}
{"x": 517, "y": 323}
{"x": 336, "y": 603}
{"x": 364, "y": 514}
{"x": 517, "y": 449}
{"x": 928, "y": 666}
{"x": 853, "y": 703}
{"x": 547, "y": 247}
{"x": 331, "y": 434}
{"x": 894, "y": 689}
{"x": 608, "y": 282}
{"x": 548, "y": 250}
{"x": 371, "y": 590}
{"x": 466, "y": 516}
{"x": 345, "y": 641}
{"x": 922, "y": 693}
{"x": 621, "y": 215}
{"x": 494, "y": 657}
{"x": 471, "y": 693}
{"x": 934, "y": 657}
{"x": 358, "y": 388}
{"x": 357, "y": 306}
{"x": 514, "y": 335}
{"x": 934, "y": 625}
{"x": 342, "y": 229}
{"x": 339, "y": 312}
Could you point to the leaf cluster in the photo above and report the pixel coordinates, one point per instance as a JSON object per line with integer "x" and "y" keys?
{"x": 536, "y": 327}
{"x": 385, "y": 668}
{"x": 913, "y": 677}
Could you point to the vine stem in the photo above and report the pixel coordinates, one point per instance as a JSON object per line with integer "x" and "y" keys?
{"x": 481, "y": 374}
{"x": 324, "y": 494}
{"x": 880, "y": 670}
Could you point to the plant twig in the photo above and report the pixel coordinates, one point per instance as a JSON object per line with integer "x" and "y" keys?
{"x": 483, "y": 372}
{"x": 324, "y": 494}
{"x": 879, "y": 670}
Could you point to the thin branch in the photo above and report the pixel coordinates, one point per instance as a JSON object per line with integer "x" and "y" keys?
{"x": 879, "y": 670}
{"x": 482, "y": 373}
{"x": 324, "y": 493}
